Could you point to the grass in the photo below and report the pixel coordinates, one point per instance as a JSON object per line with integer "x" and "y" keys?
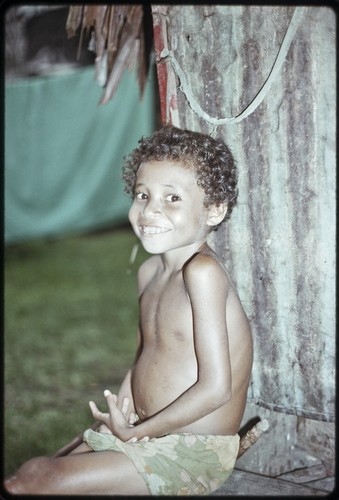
{"x": 71, "y": 315}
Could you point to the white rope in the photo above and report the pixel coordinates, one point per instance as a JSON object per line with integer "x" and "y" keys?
{"x": 184, "y": 87}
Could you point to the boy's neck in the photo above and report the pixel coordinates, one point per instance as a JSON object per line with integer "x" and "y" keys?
{"x": 174, "y": 260}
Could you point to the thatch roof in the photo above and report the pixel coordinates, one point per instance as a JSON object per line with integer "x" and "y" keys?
{"x": 117, "y": 38}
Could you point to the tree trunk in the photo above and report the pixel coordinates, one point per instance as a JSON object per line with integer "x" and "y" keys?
{"x": 279, "y": 244}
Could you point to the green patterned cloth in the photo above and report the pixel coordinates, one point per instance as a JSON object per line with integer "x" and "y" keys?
{"x": 176, "y": 464}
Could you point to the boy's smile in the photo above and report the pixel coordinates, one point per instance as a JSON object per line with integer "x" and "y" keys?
{"x": 168, "y": 210}
{"x": 153, "y": 229}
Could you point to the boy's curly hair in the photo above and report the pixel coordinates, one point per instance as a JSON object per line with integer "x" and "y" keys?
{"x": 211, "y": 159}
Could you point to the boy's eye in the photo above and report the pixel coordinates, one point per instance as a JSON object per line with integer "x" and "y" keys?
{"x": 141, "y": 196}
{"x": 173, "y": 197}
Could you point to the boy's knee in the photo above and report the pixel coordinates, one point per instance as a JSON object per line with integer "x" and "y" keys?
{"x": 29, "y": 476}
{"x": 35, "y": 466}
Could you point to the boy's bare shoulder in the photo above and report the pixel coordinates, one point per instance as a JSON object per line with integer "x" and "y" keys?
{"x": 205, "y": 268}
{"x": 146, "y": 271}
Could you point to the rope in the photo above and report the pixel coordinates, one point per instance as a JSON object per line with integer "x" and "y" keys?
{"x": 184, "y": 87}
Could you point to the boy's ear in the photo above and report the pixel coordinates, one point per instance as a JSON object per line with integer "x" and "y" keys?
{"x": 216, "y": 214}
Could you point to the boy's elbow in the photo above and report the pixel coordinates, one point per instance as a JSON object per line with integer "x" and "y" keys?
{"x": 225, "y": 397}
{"x": 220, "y": 396}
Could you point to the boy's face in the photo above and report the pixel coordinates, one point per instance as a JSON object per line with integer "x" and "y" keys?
{"x": 168, "y": 210}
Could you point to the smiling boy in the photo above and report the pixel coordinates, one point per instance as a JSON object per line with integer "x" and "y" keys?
{"x": 172, "y": 428}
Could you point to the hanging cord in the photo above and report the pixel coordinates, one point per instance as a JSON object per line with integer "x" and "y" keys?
{"x": 184, "y": 87}
{"x": 132, "y": 257}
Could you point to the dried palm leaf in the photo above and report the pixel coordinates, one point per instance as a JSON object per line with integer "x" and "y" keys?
{"x": 117, "y": 39}
{"x": 73, "y": 20}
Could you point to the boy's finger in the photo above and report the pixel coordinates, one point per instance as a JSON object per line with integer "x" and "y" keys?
{"x": 133, "y": 417}
{"x": 95, "y": 411}
{"x": 93, "y": 406}
{"x": 108, "y": 393}
{"x": 103, "y": 429}
{"x": 125, "y": 405}
{"x": 111, "y": 400}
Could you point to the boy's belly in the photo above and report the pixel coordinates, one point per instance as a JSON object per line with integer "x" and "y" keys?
{"x": 157, "y": 383}
{"x": 160, "y": 379}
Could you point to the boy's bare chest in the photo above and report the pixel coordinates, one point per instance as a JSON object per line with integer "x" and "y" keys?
{"x": 165, "y": 307}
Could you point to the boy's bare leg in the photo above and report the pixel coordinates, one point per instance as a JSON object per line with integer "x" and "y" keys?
{"x": 92, "y": 473}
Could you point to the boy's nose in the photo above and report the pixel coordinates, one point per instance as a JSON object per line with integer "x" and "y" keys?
{"x": 152, "y": 207}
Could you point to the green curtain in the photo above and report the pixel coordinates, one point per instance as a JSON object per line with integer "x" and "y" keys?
{"x": 64, "y": 152}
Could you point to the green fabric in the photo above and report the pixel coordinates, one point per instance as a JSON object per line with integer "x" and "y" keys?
{"x": 176, "y": 464}
{"x": 63, "y": 152}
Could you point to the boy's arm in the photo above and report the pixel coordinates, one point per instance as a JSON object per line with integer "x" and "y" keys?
{"x": 145, "y": 271}
{"x": 208, "y": 290}
{"x": 125, "y": 391}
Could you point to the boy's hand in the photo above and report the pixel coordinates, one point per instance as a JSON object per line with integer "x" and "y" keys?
{"x": 117, "y": 420}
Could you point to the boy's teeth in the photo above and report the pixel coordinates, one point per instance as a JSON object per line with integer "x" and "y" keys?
{"x": 152, "y": 230}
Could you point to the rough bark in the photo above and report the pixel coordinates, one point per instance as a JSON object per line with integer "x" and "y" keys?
{"x": 279, "y": 244}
